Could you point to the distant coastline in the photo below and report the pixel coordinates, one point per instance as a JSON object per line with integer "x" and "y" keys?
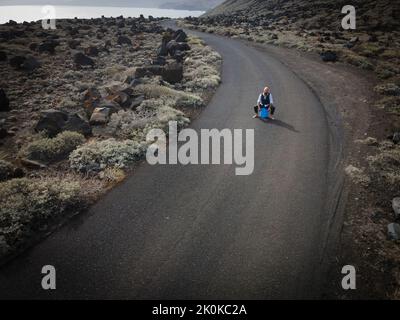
{"x": 34, "y": 13}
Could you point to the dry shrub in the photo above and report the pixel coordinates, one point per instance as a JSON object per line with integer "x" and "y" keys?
{"x": 54, "y": 149}
{"x": 27, "y": 206}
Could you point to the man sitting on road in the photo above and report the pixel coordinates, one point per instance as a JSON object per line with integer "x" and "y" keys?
{"x": 265, "y": 100}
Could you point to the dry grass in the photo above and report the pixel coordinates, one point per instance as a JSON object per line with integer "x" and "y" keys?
{"x": 28, "y": 205}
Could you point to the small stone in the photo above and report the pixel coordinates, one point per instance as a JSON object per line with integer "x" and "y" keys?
{"x": 393, "y": 230}
{"x": 32, "y": 164}
{"x": 396, "y": 137}
{"x": 396, "y": 207}
{"x": 124, "y": 40}
{"x": 83, "y": 60}
{"x": 4, "y": 102}
{"x": 329, "y": 56}
{"x": 100, "y": 116}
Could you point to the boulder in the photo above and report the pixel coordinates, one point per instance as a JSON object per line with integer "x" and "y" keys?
{"x": 328, "y": 56}
{"x": 393, "y": 230}
{"x": 8, "y": 171}
{"x": 173, "y": 73}
{"x": 180, "y": 36}
{"x": 124, "y": 40}
{"x": 112, "y": 106}
{"x": 52, "y": 122}
{"x": 149, "y": 71}
{"x": 396, "y": 138}
{"x": 31, "y": 164}
{"x": 396, "y": 207}
{"x": 92, "y": 51}
{"x": 159, "y": 61}
{"x": 100, "y": 116}
{"x": 121, "y": 98}
{"x": 73, "y": 44}
{"x": 4, "y": 102}
{"x": 172, "y": 47}
{"x": 177, "y": 48}
{"x": 76, "y": 123}
{"x": 48, "y": 46}
{"x": 136, "y": 102}
{"x": 83, "y": 60}
{"x": 179, "y": 56}
{"x": 33, "y": 46}
{"x": 28, "y": 63}
{"x": 3, "y": 133}
{"x": 3, "y": 56}
{"x": 91, "y": 100}
{"x": 162, "y": 50}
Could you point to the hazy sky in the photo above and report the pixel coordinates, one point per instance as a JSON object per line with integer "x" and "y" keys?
{"x": 119, "y": 3}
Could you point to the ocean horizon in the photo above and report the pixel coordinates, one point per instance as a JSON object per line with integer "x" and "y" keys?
{"x": 34, "y": 13}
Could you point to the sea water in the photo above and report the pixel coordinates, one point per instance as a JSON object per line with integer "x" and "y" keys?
{"x": 35, "y": 13}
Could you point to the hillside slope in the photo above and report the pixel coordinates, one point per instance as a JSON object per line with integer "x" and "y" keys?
{"x": 382, "y": 14}
{"x": 201, "y": 5}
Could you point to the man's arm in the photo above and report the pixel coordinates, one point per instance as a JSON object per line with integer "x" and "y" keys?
{"x": 271, "y": 100}
{"x": 259, "y": 100}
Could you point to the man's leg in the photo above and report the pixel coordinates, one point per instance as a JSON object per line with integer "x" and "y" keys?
{"x": 256, "y": 112}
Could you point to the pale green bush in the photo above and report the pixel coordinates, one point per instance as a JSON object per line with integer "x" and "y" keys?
{"x": 54, "y": 149}
{"x": 97, "y": 156}
{"x": 202, "y": 69}
{"x": 27, "y": 205}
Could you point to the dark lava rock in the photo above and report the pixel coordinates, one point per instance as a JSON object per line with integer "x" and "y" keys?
{"x": 328, "y": 56}
{"x": 52, "y": 122}
{"x": 180, "y": 36}
{"x": 137, "y": 101}
{"x": 73, "y": 44}
{"x": 4, "y": 102}
{"x": 3, "y": 56}
{"x": 173, "y": 47}
{"x": 83, "y": 60}
{"x": 124, "y": 40}
{"x": 100, "y": 116}
{"x": 24, "y": 63}
{"x": 76, "y": 123}
{"x": 12, "y": 23}
{"x": 55, "y": 121}
{"x": 121, "y": 24}
{"x": 173, "y": 73}
{"x": 33, "y": 46}
{"x": 162, "y": 50}
{"x": 3, "y": 133}
{"x": 92, "y": 51}
{"x": 48, "y": 46}
{"x": 149, "y": 71}
{"x": 396, "y": 138}
{"x": 159, "y": 61}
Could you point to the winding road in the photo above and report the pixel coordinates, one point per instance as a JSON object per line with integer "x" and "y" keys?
{"x": 201, "y": 232}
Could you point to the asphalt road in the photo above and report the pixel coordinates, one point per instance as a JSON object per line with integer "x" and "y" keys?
{"x": 201, "y": 232}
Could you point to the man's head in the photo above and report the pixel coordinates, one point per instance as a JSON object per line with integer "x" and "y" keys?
{"x": 266, "y": 90}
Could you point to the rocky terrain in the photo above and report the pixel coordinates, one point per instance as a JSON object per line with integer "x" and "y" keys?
{"x": 371, "y": 233}
{"x": 75, "y": 106}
